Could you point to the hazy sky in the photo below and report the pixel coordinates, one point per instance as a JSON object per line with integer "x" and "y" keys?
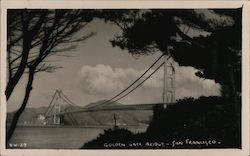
{"x": 98, "y": 71}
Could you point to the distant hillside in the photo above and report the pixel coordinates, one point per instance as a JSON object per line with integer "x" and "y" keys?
{"x": 29, "y": 114}
{"x": 140, "y": 117}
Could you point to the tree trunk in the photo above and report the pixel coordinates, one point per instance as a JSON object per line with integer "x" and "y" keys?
{"x": 15, "y": 79}
{"x": 23, "y": 106}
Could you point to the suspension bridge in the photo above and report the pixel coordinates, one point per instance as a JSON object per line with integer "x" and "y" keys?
{"x": 61, "y": 105}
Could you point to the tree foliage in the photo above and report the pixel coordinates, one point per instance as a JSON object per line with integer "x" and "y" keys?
{"x": 35, "y": 35}
{"x": 214, "y": 56}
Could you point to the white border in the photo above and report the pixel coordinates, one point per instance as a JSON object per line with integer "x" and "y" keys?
{"x": 132, "y": 4}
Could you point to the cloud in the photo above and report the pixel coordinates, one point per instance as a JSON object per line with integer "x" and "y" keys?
{"x": 103, "y": 81}
{"x": 187, "y": 84}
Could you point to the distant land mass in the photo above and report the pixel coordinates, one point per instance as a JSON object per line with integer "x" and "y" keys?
{"x": 98, "y": 118}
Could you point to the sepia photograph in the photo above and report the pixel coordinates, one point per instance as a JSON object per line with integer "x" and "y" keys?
{"x": 124, "y": 78}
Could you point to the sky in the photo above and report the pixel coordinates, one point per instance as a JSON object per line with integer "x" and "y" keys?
{"x": 98, "y": 71}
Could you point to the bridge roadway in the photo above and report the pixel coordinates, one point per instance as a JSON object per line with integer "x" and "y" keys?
{"x": 112, "y": 108}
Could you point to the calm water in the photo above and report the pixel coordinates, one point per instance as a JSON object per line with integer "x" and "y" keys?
{"x": 58, "y": 137}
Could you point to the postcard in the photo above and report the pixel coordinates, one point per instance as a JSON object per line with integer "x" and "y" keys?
{"x": 125, "y": 77}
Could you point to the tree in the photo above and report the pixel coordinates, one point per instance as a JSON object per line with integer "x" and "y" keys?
{"x": 33, "y": 37}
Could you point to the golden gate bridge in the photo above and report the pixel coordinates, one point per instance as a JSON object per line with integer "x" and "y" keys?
{"x": 55, "y": 111}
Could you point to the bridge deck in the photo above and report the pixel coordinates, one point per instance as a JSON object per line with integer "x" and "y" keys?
{"x": 113, "y": 108}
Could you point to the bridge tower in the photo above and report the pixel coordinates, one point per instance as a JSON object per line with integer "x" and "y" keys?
{"x": 57, "y": 109}
{"x": 168, "y": 81}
